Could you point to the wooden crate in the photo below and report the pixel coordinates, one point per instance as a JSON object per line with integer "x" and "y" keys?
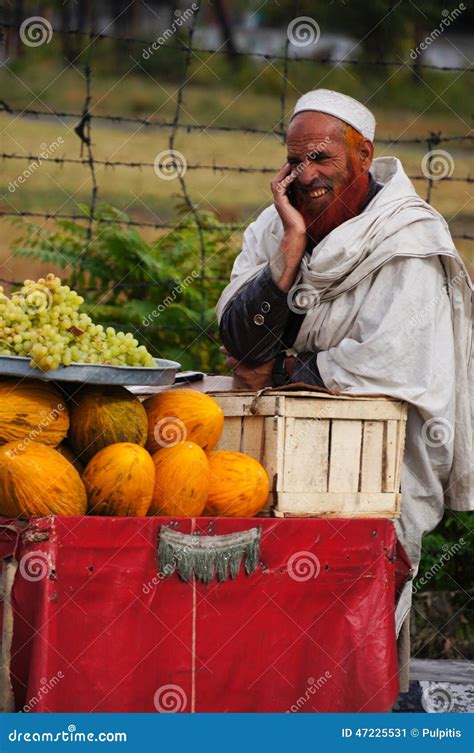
{"x": 326, "y": 455}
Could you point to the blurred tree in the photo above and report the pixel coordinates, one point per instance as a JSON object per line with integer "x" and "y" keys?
{"x": 126, "y": 17}
{"x": 14, "y": 15}
{"x": 383, "y": 29}
{"x": 66, "y": 23}
{"x": 225, "y": 25}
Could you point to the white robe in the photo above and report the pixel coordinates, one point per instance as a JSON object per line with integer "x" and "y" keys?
{"x": 393, "y": 316}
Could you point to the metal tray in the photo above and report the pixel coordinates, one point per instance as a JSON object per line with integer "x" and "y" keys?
{"x": 163, "y": 374}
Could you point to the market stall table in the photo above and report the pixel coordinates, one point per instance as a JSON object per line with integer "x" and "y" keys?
{"x": 100, "y": 626}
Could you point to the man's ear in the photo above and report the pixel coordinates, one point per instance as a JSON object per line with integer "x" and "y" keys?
{"x": 366, "y": 154}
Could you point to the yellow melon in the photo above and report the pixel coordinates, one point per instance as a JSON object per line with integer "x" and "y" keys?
{"x": 32, "y": 410}
{"x": 181, "y": 481}
{"x": 101, "y": 416}
{"x": 238, "y": 485}
{"x": 185, "y": 414}
{"x": 36, "y": 480}
{"x": 119, "y": 480}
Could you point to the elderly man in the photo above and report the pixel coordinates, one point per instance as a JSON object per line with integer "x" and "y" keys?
{"x": 351, "y": 281}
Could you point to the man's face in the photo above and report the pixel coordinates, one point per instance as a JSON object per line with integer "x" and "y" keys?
{"x": 331, "y": 166}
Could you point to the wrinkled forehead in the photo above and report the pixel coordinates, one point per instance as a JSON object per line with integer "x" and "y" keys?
{"x": 312, "y": 129}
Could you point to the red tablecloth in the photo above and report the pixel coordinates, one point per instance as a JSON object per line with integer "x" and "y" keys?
{"x": 311, "y": 629}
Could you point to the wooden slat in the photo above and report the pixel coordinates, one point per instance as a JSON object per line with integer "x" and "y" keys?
{"x": 7, "y": 700}
{"x": 343, "y": 407}
{"x": 306, "y": 455}
{"x": 270, "y": 449}
{"x": 281, "y": 424}
{"x": 332, "y": 504}
{"x": 390, "y": 456}
{"x": 271, "y": 454}
{"x": 253, "y": 437}
{"x": 328, "y": 396}
{"x": 294, "y": 394}
{"x": 344, "y": 461}
{"x": 370, "y": 410}
{"x": 372, "y": 456}
{"x": 230, "y": 439}
{"x": 237, "y": 405}
{"x": 401, "y": 435}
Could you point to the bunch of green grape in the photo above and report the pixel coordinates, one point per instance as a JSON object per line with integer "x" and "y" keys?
{"x": 42, "y": 321}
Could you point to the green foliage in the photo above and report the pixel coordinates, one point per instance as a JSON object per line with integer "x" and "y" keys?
{"x": 164, "y": 291}
{"x": 449, "y": 568}
{"x": 442, "y": 625}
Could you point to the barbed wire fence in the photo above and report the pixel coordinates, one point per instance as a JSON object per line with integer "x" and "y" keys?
{"x": 86, "y": 118}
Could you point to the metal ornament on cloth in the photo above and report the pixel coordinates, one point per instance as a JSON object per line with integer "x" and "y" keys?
{"x": 208, "y": 556}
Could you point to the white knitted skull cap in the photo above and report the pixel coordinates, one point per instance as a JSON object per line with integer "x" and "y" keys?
{"x": 340, "y": 106}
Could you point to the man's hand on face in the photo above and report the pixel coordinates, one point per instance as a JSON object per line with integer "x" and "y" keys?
{"x": 250, "y": 377}
{"x": 293, "y": 245}
{"x": 293, "y": 222}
